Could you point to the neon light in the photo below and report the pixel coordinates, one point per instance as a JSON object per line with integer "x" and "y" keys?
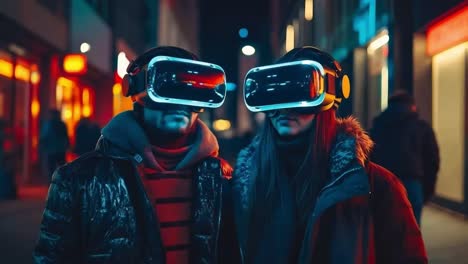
{"x": 85, "y": 47}
{"x": 35, "y": 77}
{"x": 117, "y": 89}
{"x": 63, "y": 85}
{"x": 35, "y": 108}
{"x": 75, "y": 63}
{"x": 221, "y": 125}
{"x": 378, "y": 43}
{"x": 76, "y": 112}
{"x": 22, "y": 73}
{"x": 309, "y": 10}
{"x": 86, "y": 111}
{"x": 122, "y": 64}
{"x": 85, "y": 96}
{"x": 67, "y": 113}
{"x": 384, "y": 88}
{"x": 6, "y": 68}
{"x": 248, "y": 50}
{"x": 289, "y": 38}
{"x": 448, "y": 32}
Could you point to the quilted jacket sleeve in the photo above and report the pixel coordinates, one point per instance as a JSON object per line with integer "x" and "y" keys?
{"x": 58, "y": 233}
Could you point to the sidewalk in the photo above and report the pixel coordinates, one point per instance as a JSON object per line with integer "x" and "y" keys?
{"x": 445, "y": 235}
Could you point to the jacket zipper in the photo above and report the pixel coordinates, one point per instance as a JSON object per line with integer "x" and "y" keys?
{"x": 337, "y": 179}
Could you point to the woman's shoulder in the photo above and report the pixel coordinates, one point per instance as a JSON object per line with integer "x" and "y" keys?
{"x": 386, "y": 186}
{"x": 246, "y": 155}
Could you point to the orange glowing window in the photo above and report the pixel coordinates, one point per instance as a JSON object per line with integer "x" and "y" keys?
{"x": 35, "y": 108}
{"x": 35, "y": 77}
{"x": 75, "y": 63}
{"x": 87, "y": 100}
{"x": 117, "y": 89}
{"x": 85, "y": 96}
{"x": 6, "y": 68}
{"x": 22, "y": 73}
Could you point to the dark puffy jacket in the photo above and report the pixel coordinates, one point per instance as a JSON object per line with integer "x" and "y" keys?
{"x": 362, "y": 215}
{"x": 98, "y": 212}
{"x": 406, "y": 145}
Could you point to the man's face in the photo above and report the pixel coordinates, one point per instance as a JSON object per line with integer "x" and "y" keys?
{"x": 176, "y": 119}
{"x": 289, "y": 123}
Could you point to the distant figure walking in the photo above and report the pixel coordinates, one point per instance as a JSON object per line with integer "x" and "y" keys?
{"x": 407, "y": 146}
{"x": 87, "y": 135}
{"x": 53, "y": 141}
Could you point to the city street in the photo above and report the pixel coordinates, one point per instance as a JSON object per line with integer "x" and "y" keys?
{"x": 445, "y": 234}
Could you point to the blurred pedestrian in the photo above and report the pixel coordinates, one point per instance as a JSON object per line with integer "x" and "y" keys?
{"x": 407, "y": 146}
{"x": 87, "y": 134}
{"x": 7, "y": 159}
{"x": 304, "y": 189}
{"x": 53, "y": 141}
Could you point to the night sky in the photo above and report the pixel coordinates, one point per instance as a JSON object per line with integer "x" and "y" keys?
{"x": 220, "y": 22}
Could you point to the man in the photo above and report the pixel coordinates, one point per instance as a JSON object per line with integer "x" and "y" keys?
{"x": 406, "y": 145}
{"x": 152, "y": 191}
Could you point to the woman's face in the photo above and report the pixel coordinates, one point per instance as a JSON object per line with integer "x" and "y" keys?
{"x": 289, "y": 123}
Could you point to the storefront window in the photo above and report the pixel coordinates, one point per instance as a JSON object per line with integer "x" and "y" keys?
{"x": 6, "y": 85}
{"x": 16, "y": 88}
{"x": 120, "y": 102}
{"x": 74, "y": 102}
{"x": 377, "y": 94}
{"x": 449, "y": 91}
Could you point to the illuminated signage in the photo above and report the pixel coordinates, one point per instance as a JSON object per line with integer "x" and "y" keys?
{"x": 448, "y": 32}
{"x": 75, "y": 64}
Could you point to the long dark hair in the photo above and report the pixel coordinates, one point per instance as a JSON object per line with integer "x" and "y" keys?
{"x": 266, "y": 193}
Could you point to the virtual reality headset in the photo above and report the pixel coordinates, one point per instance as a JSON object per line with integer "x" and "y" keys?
{"x": 171, "y": 80}
{"x": 305, "y": 85}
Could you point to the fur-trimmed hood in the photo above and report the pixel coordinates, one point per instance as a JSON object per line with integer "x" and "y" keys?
{"x": 350, "y": 127}
{"x": 351, "y": 149}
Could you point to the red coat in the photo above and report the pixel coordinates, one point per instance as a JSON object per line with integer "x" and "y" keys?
{"x": 362, "y": 215}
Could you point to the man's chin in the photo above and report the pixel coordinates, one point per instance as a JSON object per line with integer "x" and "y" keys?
{"x": 177, "y": 130}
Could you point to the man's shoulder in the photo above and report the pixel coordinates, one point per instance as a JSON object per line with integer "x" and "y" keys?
{"x": 80, "y": 168}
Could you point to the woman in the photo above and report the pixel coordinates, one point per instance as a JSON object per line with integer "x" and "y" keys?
{"x": 304, "y": 190}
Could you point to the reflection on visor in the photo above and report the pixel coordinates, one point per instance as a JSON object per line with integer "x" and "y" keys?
{"x": 286, "y": 85}
{"x": 187, "y": 82}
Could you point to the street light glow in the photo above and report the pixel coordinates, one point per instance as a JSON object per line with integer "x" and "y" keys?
{"x": 309, "y": 10}
{"x": 85, "y": 47}
{"x": 378, "y": 43}
{"x": 248, "y": 50}
{"x": 243, "y": 32}
{"x": 122, "y": 64}
{"x": 289, "y": 38}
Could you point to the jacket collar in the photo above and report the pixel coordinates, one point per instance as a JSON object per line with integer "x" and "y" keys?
{"x": 350, "y": 150}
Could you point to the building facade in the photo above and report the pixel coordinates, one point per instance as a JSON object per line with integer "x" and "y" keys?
{"x": 417, "y": 46}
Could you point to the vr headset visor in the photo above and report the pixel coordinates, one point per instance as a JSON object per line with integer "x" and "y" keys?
{"x": 186, "y": 82}
{"x": 298, "y": 84}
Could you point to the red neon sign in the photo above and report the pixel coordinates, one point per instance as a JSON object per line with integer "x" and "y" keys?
{"x": 448, "y": 32}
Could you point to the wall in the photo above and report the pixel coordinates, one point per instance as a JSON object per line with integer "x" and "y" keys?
{"x": 87, "y": 26}
{"x": 37, "y": 19}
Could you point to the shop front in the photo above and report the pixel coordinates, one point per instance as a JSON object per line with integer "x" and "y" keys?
{"x": 19, "y": 111}
{"x": 447, "y": 47}
{"x": 440, "y": 89}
